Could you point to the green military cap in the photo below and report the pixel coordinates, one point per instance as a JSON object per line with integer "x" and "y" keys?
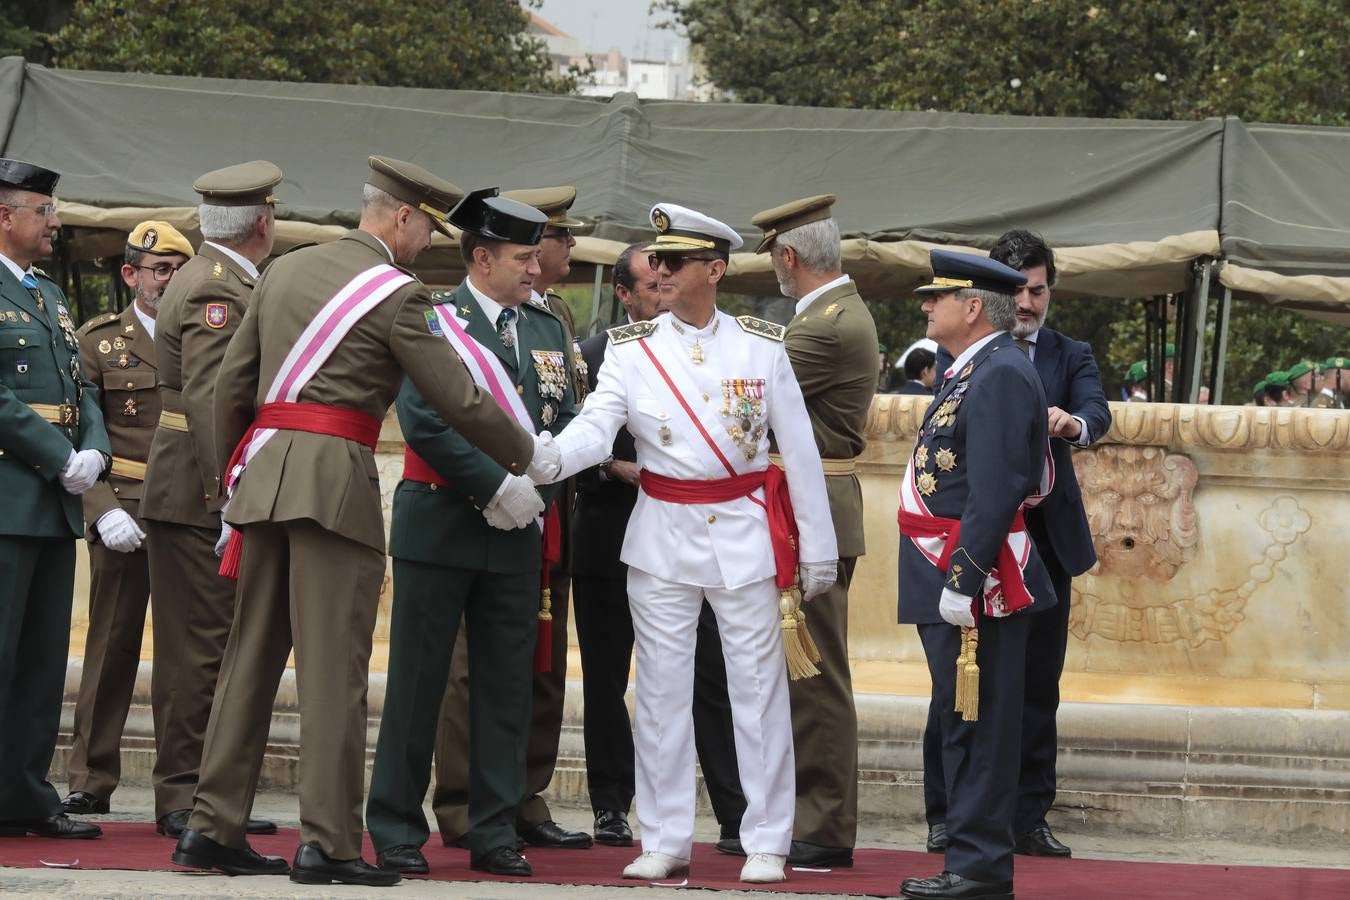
{"x": 1277, "y": 379}
{"x": 159, "y": 238}
{"x": 417, "y": 187}
{"x": 1301, "y": 368}
{"x": 247, "y": 184}
{"x": 791, "y": 215}
{"x": 1336, "y": 362}
{"x": 1136, "y": 373}
{"x": 1260, "y": 387}
{"x": 553, "y": 202}
{"x": 1170, "y": 350}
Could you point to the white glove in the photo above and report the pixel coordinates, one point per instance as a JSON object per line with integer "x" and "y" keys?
{"x": 82, "y": 470}
{"x": 817, "y": 578}
{"x": 547, "y": 460}
{"x": 515, "y": 505}
{"x": 225, "y": 532}
{"x": 119, "y": 531}
{"x": 955, "y": 609}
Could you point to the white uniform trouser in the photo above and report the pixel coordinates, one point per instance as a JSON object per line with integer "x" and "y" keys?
{"x": 665, "y": 620}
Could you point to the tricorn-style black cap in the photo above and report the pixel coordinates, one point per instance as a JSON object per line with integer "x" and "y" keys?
{"x": 25, "y": 176}
{"x": 484, "y": 213}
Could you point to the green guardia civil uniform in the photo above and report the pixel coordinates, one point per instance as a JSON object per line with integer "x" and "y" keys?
{"x": 450, "y": 563}
{"x": 47, "y": 409}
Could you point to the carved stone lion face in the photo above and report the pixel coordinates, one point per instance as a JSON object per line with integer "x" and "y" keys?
{"x": 1140, "y": 506}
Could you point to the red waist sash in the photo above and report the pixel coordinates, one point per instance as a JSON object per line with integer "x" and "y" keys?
{"x": 1009, "y": 572}
{"x": 415, "y": 468}
{"x": 314, "y": 418}
{"x": 782, "y": 523}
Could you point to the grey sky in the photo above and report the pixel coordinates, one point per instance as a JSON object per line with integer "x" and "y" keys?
{"x": 600, "y": 24}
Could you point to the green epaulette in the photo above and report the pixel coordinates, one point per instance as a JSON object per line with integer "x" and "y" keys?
{"x": 441, "y": 296}
{"x": 631, "y": 332}
{"x": 762, "y": 327}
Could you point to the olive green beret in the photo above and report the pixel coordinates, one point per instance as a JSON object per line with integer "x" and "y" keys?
{"x": 1301, "y": 368}
{"x": 1336, "y": 362}
{"x": 1277, "y": 379}
{"x": 1136, "y": 373}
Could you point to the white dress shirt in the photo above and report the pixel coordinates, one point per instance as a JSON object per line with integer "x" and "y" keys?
{"x": 810, "y": 298}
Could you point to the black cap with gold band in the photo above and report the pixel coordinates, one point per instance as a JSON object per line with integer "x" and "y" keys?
{"x": 246, "y": 184}
{"x": 23, "y": 176}
{"x": 953, "y": 271}
{"x": 484, "y": 213}
{"x": 416, "y": 187}
{"x": 554, "y": 202}
{"x": 683, "y": 230}
{"x": 791, "y": 215}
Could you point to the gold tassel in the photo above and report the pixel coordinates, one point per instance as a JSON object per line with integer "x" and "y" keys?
{"x": 799, "y": 665}
{"x": 970, "y": 711}
{"x": 808, "y": 643}
{"x": 961, "y": 671}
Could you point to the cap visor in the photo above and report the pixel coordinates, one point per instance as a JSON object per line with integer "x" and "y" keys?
{"x": 674, "y": 245}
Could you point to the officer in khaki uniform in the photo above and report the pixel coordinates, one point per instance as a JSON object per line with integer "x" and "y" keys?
{"x": 52, "y": 449}
{"x": 308, "y": 506}
{"x": 118, "y": 352}
{"x": 1334, "y": 382}
{"x": 191, "y": 604}
{"x": 449, "y": 564}
{"x": 830, "y": 342}
{"x": 451, "y": 798}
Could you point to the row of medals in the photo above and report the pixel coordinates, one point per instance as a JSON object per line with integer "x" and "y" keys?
{"x": 944, "y": 459}
{"x": 551, "y": 369}
{"x": 743, "y": 403}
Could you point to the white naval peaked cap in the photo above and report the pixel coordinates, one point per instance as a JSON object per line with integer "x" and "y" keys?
{"x": 683, "y": 230}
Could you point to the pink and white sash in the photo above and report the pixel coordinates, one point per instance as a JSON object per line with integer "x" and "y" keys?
{"x": 484, "y": 366}
{"x": 317, "y": 342}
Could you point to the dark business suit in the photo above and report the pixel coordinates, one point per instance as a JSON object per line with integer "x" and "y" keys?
{"x": 996, "y": 433}
{"x": 916, "y": 387}
{"x": 605, "y": 635}
{"x": 1059, "y": 527}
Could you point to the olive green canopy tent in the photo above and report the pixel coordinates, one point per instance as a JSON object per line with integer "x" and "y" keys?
{"x": 1130, "y": 205}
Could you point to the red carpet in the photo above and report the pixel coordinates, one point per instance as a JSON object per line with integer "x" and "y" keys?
{"x": 875, "y": 873}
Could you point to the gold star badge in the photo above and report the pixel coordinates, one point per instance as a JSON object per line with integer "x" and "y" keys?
{"x": 927, "y": 484}
{"x": 130, "y": 329}
{"x": 945, "y": 459}
{"x": 119, "y": 344}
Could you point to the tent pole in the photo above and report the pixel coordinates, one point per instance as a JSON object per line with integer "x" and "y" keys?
{"x": 1193, "y": 337}
{"x": 1220, "y": 346}
{"x": 595, "y": 296}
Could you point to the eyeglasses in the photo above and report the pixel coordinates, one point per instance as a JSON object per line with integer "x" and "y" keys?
{"x": 162, "y": 271}
{"x": 45, "y": 210}
{"x": 675, "y": 263}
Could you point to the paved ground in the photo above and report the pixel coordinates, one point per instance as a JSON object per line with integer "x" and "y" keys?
{"x": 133, "y": 804}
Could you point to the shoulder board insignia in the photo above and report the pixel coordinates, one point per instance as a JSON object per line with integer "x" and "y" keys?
{"x": 217, "y": 270}
{"x": 762, "y": 327}
{"x": 99, "y": 322}
{"x": 631, "y": 332}
{"x": 441, "y": 296}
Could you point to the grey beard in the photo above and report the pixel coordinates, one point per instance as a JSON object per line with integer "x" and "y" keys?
{"x": 1021, "y": 330}
{"x": 151, "y": 301}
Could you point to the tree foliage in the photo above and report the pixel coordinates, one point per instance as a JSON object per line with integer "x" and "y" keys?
{"x": 1286, "y": 61}
{"x": 467, "y": 44}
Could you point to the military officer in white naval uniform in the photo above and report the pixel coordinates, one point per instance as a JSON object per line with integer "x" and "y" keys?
{"x": 700, "y": 390}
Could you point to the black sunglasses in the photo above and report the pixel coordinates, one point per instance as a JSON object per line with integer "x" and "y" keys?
{"x": 675, "y": 262}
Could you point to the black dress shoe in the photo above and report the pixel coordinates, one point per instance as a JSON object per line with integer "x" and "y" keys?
{"x": 611, "y": 828}
{"x": 950, "y": 886}
{"x": 83, "y": 803}
{"x": 404, "y": 858}
{"x": 197, "y": 851}
{"x": 57, "y": 826}
{"x": 260, "y": 826}
{"x": 501, "y": 861}
{"x": 551, "y": 834}
{"x": 173, "y": 824}
{"x": 731, "y": 846}
{"x": 937, "y": 838}
{"x": 313, "y": 866}
{"x": 1041, "y": 841}
{"x": 814, "y": 856}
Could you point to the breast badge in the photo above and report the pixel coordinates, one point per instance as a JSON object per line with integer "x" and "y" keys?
{"x": 921, "y": 456}
{"x": 926, "y": 483}
{"x": 217, "y": 314}
{"x": 119, "y": 343}
{"x": 550, "y": 368}
{"x": 945, "y": 459}
{"x": 664, "y": 433}
{"x": 129, "y": 408}
{"x": 104, "y": 347}
{"x": 743, "y": 403}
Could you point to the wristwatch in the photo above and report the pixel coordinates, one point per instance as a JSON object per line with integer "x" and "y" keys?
{"x": 604, "y": 467}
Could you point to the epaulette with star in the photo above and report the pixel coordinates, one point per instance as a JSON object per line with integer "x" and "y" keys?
{"x": 762, "y": 327}
{"x": 622, "y": 334}
{"x": 99, "y": 322}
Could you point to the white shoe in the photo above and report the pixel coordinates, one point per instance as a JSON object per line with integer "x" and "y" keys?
{"x": 763, "y": 868}
{"x": 653, "y": 866}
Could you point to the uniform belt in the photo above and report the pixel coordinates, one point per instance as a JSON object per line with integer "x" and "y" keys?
{"x": 128, "y": 468}
{"x": 67, "y": 414}
{"x": 835, "y": 468}
{"x": 415, "y": 468}
{"x": 172, "y": 420}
